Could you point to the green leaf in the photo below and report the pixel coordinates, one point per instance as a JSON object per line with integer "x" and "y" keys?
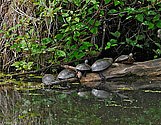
{"x": 113, "y": 41}
{"x": 36, "y": 3}
{"x": 156, "y": 17}
{"x": 97, "y": 23}
{"x": 87, "y": 1}
{"x": 22, "y": 116}
{"x": 65, "y": 15}
{"x": 139, "y": 46}
{"x": 128, "y": 40}
{"x": 77, "y": 33}
{"x": 73, "y": 27}
{"x": 1, "y": 31}
{"x": 20, "y": 38}
{"x": 59, "y": 36}
{"x": 158, "y": 44}
{"x": 80, "y": 55}
{"x": 60, "y": 18}
{"x": 68, "y": 19}
{"x": 76, "y": 19}
{"x": 94, "y": 30}
{"x": 18, "y": 25}
{"x": 18, "y": 49}
{"x": 16, "y": 64}
{"x": 93, "y": 1}
{"x": 158, "y": 24}
{"x": 150, "y": 13}
{"x": 68, "y": 38}
{"x": 145, "y": 23}
{"x": 87, "y": 44}
{"x": 112, "y": 11}
{"x": 75, "y": 37}
{"x": 122, "y": 3}
{"x": 12, "y": 28}
{"x": 116, "y": 2}
{"x": 133, "y": 43}
{"x": 51, "y": 49}
{"x": 65, "y": 24}
{"x": 23, "y": 44}
{"x": 114, "y": 45}
{"x": 107, "y": 1}
{"x": 102, "y": 13}
{"x": 83, "y": 33}
{"x": 155, "y": 56}
{"x": 140, "y": 17}
{"x": 60, "y": 53}
{"x": 67, "y": 29}
{"x": 108, "y": 46}
{"x": 91, "y": 21}
{"x": 79, "y": 25}
{"x": 140, "y": 37}
{"x": 128, "y": 17}
{"x": 116, "y": 34}
{"x": 3, "y": 116}
{"x": 150, "y": 25}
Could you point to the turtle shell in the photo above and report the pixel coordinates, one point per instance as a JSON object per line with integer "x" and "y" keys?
{"x": 122, "y": 58}
{"x": 48, "y": 78}
{"x": 101, "y": 64}
{"x": 66, "y": 74}
{"x": 83, "y": 67}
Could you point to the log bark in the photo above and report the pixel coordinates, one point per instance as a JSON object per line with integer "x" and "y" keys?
{"x": 139, "y": 75}
{"x": 123, "y": 73}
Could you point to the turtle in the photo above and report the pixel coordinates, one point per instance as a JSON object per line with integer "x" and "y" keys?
{"x": 100, "y": 65}
{"x": 66, "y": 74}
{"x": 101, "y": 93}
{"x": 83, "y": 67}
{"x": 126, "y": 59}
{"x": 48, "y": 78}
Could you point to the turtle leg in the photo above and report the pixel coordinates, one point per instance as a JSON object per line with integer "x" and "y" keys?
{"x": 84, "y": 74}
{"x": 102, "y": 76}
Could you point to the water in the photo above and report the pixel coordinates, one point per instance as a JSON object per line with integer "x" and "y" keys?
{"x": 29, "y": 103}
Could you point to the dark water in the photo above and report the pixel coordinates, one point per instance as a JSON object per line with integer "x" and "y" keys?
{"x": 30, "y": 104}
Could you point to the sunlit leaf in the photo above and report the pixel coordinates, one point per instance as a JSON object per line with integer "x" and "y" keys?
{"x": 12, "y": 28}
{"x": 60, "y": 53}
{"x": 76, "y": 19}
{"x": 68, "y": 19}
{"x": 116, "y": 2}
{"x": 107, "y": 1}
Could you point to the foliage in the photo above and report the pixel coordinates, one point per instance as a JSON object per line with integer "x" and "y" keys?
{"x": 56, "y": 31}
{"x": 134, "y": 25}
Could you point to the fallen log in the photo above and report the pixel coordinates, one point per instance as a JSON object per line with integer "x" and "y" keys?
{"x": 121, "y": 76}
{"x": 124, "y": 72}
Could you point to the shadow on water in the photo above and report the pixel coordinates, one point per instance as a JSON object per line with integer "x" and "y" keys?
{"x": 29, "y": 103}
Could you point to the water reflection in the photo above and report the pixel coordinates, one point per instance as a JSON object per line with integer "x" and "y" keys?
{"x": 42, "y": 106}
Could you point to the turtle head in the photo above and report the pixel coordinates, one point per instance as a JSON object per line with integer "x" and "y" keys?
{"x": 130, "y": 55}
{"x": 86, "y": 61}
